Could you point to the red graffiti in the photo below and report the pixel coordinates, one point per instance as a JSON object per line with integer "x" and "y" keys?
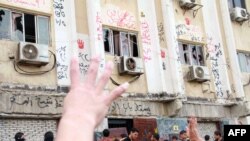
{"x": 121, "y": 18}
{"x": 163, "y": 54}
{"x": 187, "y": 21}
{"x": 145, "y": 34}
{"x": 146, "y": 54}
{"x": 99, "y": 26}
{"x": 80, "y": 43}
{"x": 210, "y": 45}
{"x": 37, "y": 3}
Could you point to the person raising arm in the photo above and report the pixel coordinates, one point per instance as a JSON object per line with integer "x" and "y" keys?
{"x": 86, "y": 105}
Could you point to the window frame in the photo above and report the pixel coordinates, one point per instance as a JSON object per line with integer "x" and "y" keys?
{"x": 10, "y": 28}
{"x": 189, "y": 52}
{"x": 232, "y": 4}
{"x": 243, "y": 63}
{"x": 112, "y": 42}
{"x": 36, "y": 16}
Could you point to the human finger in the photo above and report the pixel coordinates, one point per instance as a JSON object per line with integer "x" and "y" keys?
{"x": 104, "y": 77}
{"x": 92, "y": 71}
{"x": 74, "y": 72}
{"x": 117, "y": 92}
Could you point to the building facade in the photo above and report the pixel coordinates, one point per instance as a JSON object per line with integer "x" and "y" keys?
{"x": 182, "y": 58}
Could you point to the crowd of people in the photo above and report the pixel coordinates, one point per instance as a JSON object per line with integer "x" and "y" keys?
{"x": 183, "y": 136}
{"x": 48, "y": 136}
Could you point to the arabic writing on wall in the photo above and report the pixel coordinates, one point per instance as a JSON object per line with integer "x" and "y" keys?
{"x": 36, "y": 101}
{"x": 214, "y": 52}
{"x": 99, "y": 26}
{"x": 190, "y": 32}
{"x": 146, "y": 40}
{"x": 59, "y": 12}
{"x": 61, "y": 67}
{"x": 130, "y": 107}
{"x": 215, "y": 69}
{"x": 161, "y": 32}
{"x": 84, "y": 60}
{"x": 121, "y": 18}
{"x": 33, "y": 3}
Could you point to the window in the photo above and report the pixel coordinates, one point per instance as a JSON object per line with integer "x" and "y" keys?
{"x": 244, "y": 61}
{"x": 191, "y": 54}
{"x": 18, "y": 26}
{"x": 120, "y": 43}
{"x": 237, "y": 3}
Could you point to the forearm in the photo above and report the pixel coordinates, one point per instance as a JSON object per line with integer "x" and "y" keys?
{"x": 194, "y": 135}
{"x": 75, "y": 129}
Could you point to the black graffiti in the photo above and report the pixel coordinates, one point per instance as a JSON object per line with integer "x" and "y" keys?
{"x": 84, "y": 57}
{"x": 84, "y": 60}
{"x": 58, "y": 103}
{"x": 141, "y": 108}
{"x": 62, "y": 52}
{"x": 44, "y": 103}
{"x": 40, "y": 101}
{"x": 60, "y": 22}
{"x": 62, "y": 71}
{"x": 161, "y": 32}
{"x": 59, "y": 8}
{"x": 14, "y": 100}
{"x": 163, "y": 66}
{"x": 215, "y": 69}
{"x": 59, "y": 12}
{"x": 127, "y": 107}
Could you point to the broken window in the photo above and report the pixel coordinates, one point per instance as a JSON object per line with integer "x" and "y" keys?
{"x": 107, "y": 40}
{"x": 120, "y": 43}
{"x": 5, "y": 26}
{"x": 244, "y": 61}
{"x": 191, "y": 54}
{"x": 19, "y": 26}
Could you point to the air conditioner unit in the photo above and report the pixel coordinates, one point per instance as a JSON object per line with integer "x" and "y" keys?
{"x": 239, "y": 14}
{"x": 130, "y": 65}
{"x": 198, "y": 73}
{"x": 32, "y": 54}
{"x": 187, "y": 4}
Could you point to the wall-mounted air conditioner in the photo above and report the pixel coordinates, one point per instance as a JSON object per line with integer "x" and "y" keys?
{"x": 187, "y": 4}
{"x": 32, "y": 54}
{"x": 239, "y": 14}
{"x": 130, "y": 65}
{"x": 198, "y": 73}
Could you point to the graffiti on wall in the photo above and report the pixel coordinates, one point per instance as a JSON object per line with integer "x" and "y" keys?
{"x": 32, "y": 3}
{"x": 99, "y": 26}
{"x": 62, "y": 68}
{"x": 84, "y": 60}
{"x": 83, "y": 53}
{"x": 146, "y": 40}
{"x": 130, "y": 107}
{"x": 36, "y": 101}
{"x": 62, "y": 41}
{"x": 189, "y": 32}
{"x": 214, "y": 54}
{"x": 59, "y": 12}
{"x": 161, "y": 32}
{"x": 121, "y": 18}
